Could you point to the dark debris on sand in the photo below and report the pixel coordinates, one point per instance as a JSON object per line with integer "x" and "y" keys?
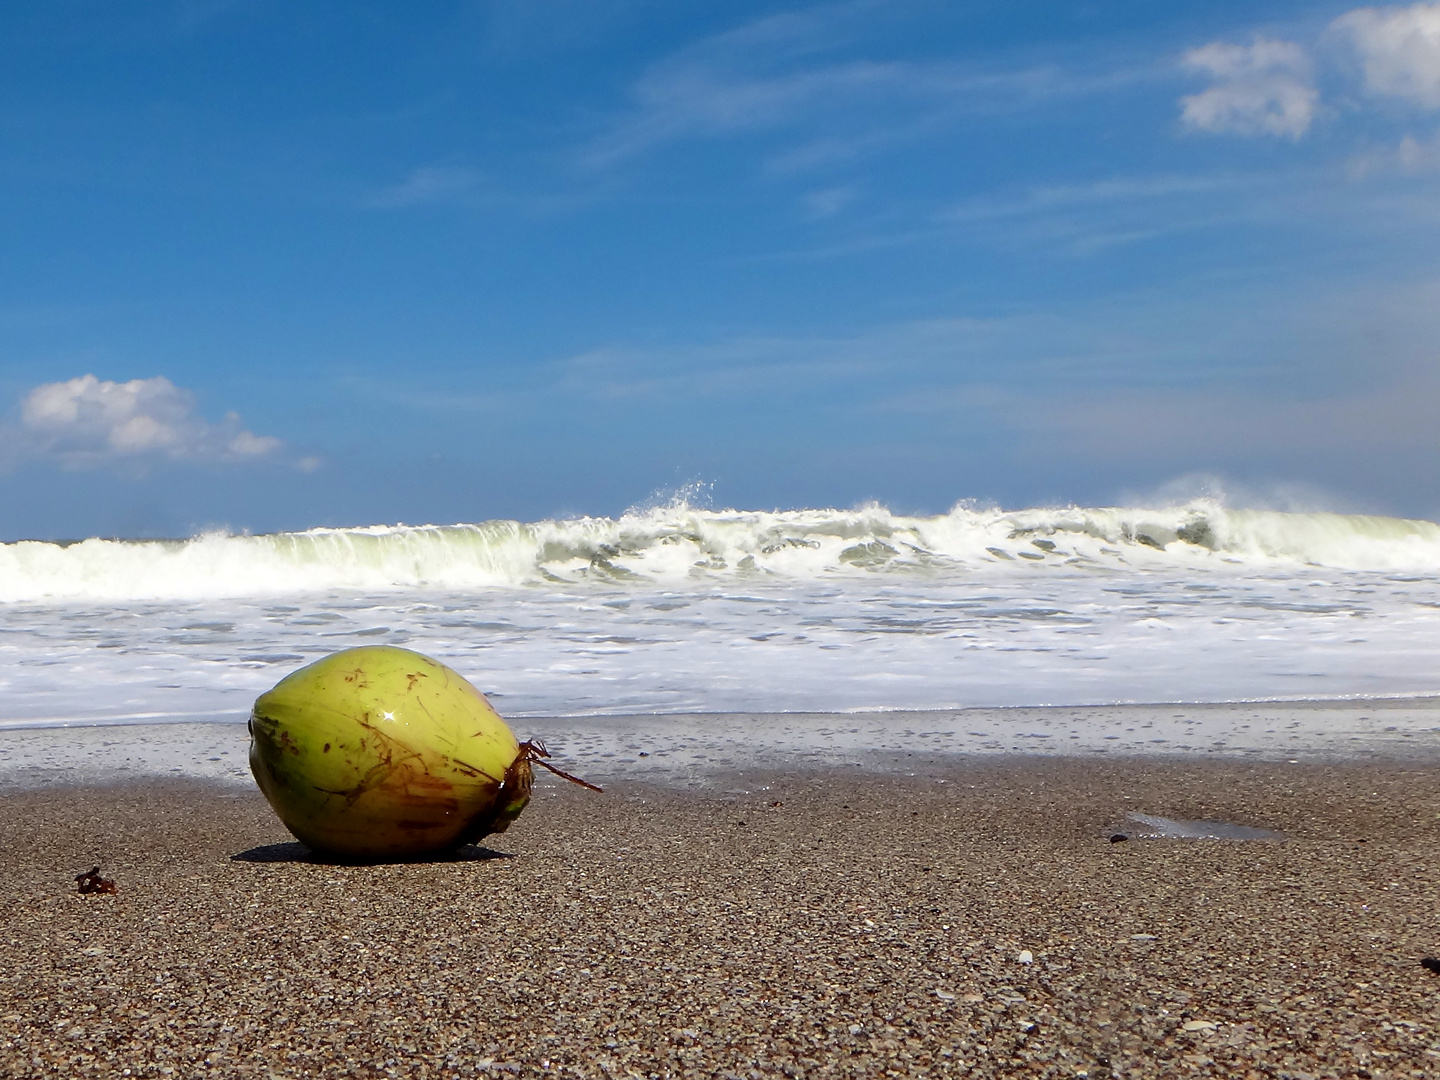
{"x": 92, "y": 882}
{"x": 876, "y": 926}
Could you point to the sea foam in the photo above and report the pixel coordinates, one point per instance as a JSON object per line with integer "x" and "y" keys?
{"x": 677, "y": 610}
{"x": 676, "y": 544}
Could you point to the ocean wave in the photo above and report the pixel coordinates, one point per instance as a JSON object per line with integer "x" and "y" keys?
{"x": 678, "y": 543}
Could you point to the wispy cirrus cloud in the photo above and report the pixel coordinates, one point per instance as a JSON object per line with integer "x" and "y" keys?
{"x": 463, "y": 187}
{"x": 1073, "y": 219}
{"x": 1120, "y": 190}
{"x": 827, "y": 202}
{"x": 811, "y": 73}
{"x": 86, "y": 422}
{"x": 429, "y": 184}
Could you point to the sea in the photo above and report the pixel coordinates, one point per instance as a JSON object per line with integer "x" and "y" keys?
{"x": 686, "y": 612}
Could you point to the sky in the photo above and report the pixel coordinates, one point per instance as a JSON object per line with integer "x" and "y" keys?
{"x": 272, "y": 266}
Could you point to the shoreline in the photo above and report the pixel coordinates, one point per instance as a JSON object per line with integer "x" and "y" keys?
{"x": 825, "y": 922}
{"x": 690, "y": 749}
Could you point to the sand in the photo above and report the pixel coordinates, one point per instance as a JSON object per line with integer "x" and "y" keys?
{"x": 821, "y": 923}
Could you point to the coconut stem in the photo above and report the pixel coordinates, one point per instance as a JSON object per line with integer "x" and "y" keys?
{"x": 534, "y": 750}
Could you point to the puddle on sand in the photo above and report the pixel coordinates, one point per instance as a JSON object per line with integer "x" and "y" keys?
{"x": 1151, "y": 826}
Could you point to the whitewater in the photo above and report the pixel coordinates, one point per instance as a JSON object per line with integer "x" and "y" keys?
{"x": 678, "y": 610}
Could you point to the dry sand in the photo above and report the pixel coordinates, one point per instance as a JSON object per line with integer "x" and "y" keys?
{"x": 871, "y": 925}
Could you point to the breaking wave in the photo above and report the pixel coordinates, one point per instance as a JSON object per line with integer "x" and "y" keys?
{"x": 678, "y": 543}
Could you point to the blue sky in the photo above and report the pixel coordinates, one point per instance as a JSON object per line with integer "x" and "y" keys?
{"x": 272, "y": 265}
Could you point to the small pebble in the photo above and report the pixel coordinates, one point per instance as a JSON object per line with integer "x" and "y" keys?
{"x": 1025, "y": 957}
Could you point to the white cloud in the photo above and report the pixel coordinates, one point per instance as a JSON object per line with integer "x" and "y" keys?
{"x": 1408, "y": 157}
{"x": 87, "y": 421}
{"x": 1260, "y": 89}
{"x": 1399, "y": 49}
{"x": 1415, "y": 155}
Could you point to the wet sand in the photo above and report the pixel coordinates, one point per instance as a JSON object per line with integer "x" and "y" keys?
{"x": 689, "y": 750}
{"x": 819, "y": 923}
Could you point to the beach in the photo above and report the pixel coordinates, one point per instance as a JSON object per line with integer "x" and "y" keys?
{"x": 800, "y": 921}
{"x": 921, "y": 520}
{"x": 864, "y": 775}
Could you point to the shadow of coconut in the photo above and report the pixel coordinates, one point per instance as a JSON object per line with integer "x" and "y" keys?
{"x": 295, "y": 852}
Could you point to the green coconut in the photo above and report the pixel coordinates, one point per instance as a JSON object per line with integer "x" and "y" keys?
{"x": 380, "y": 752}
